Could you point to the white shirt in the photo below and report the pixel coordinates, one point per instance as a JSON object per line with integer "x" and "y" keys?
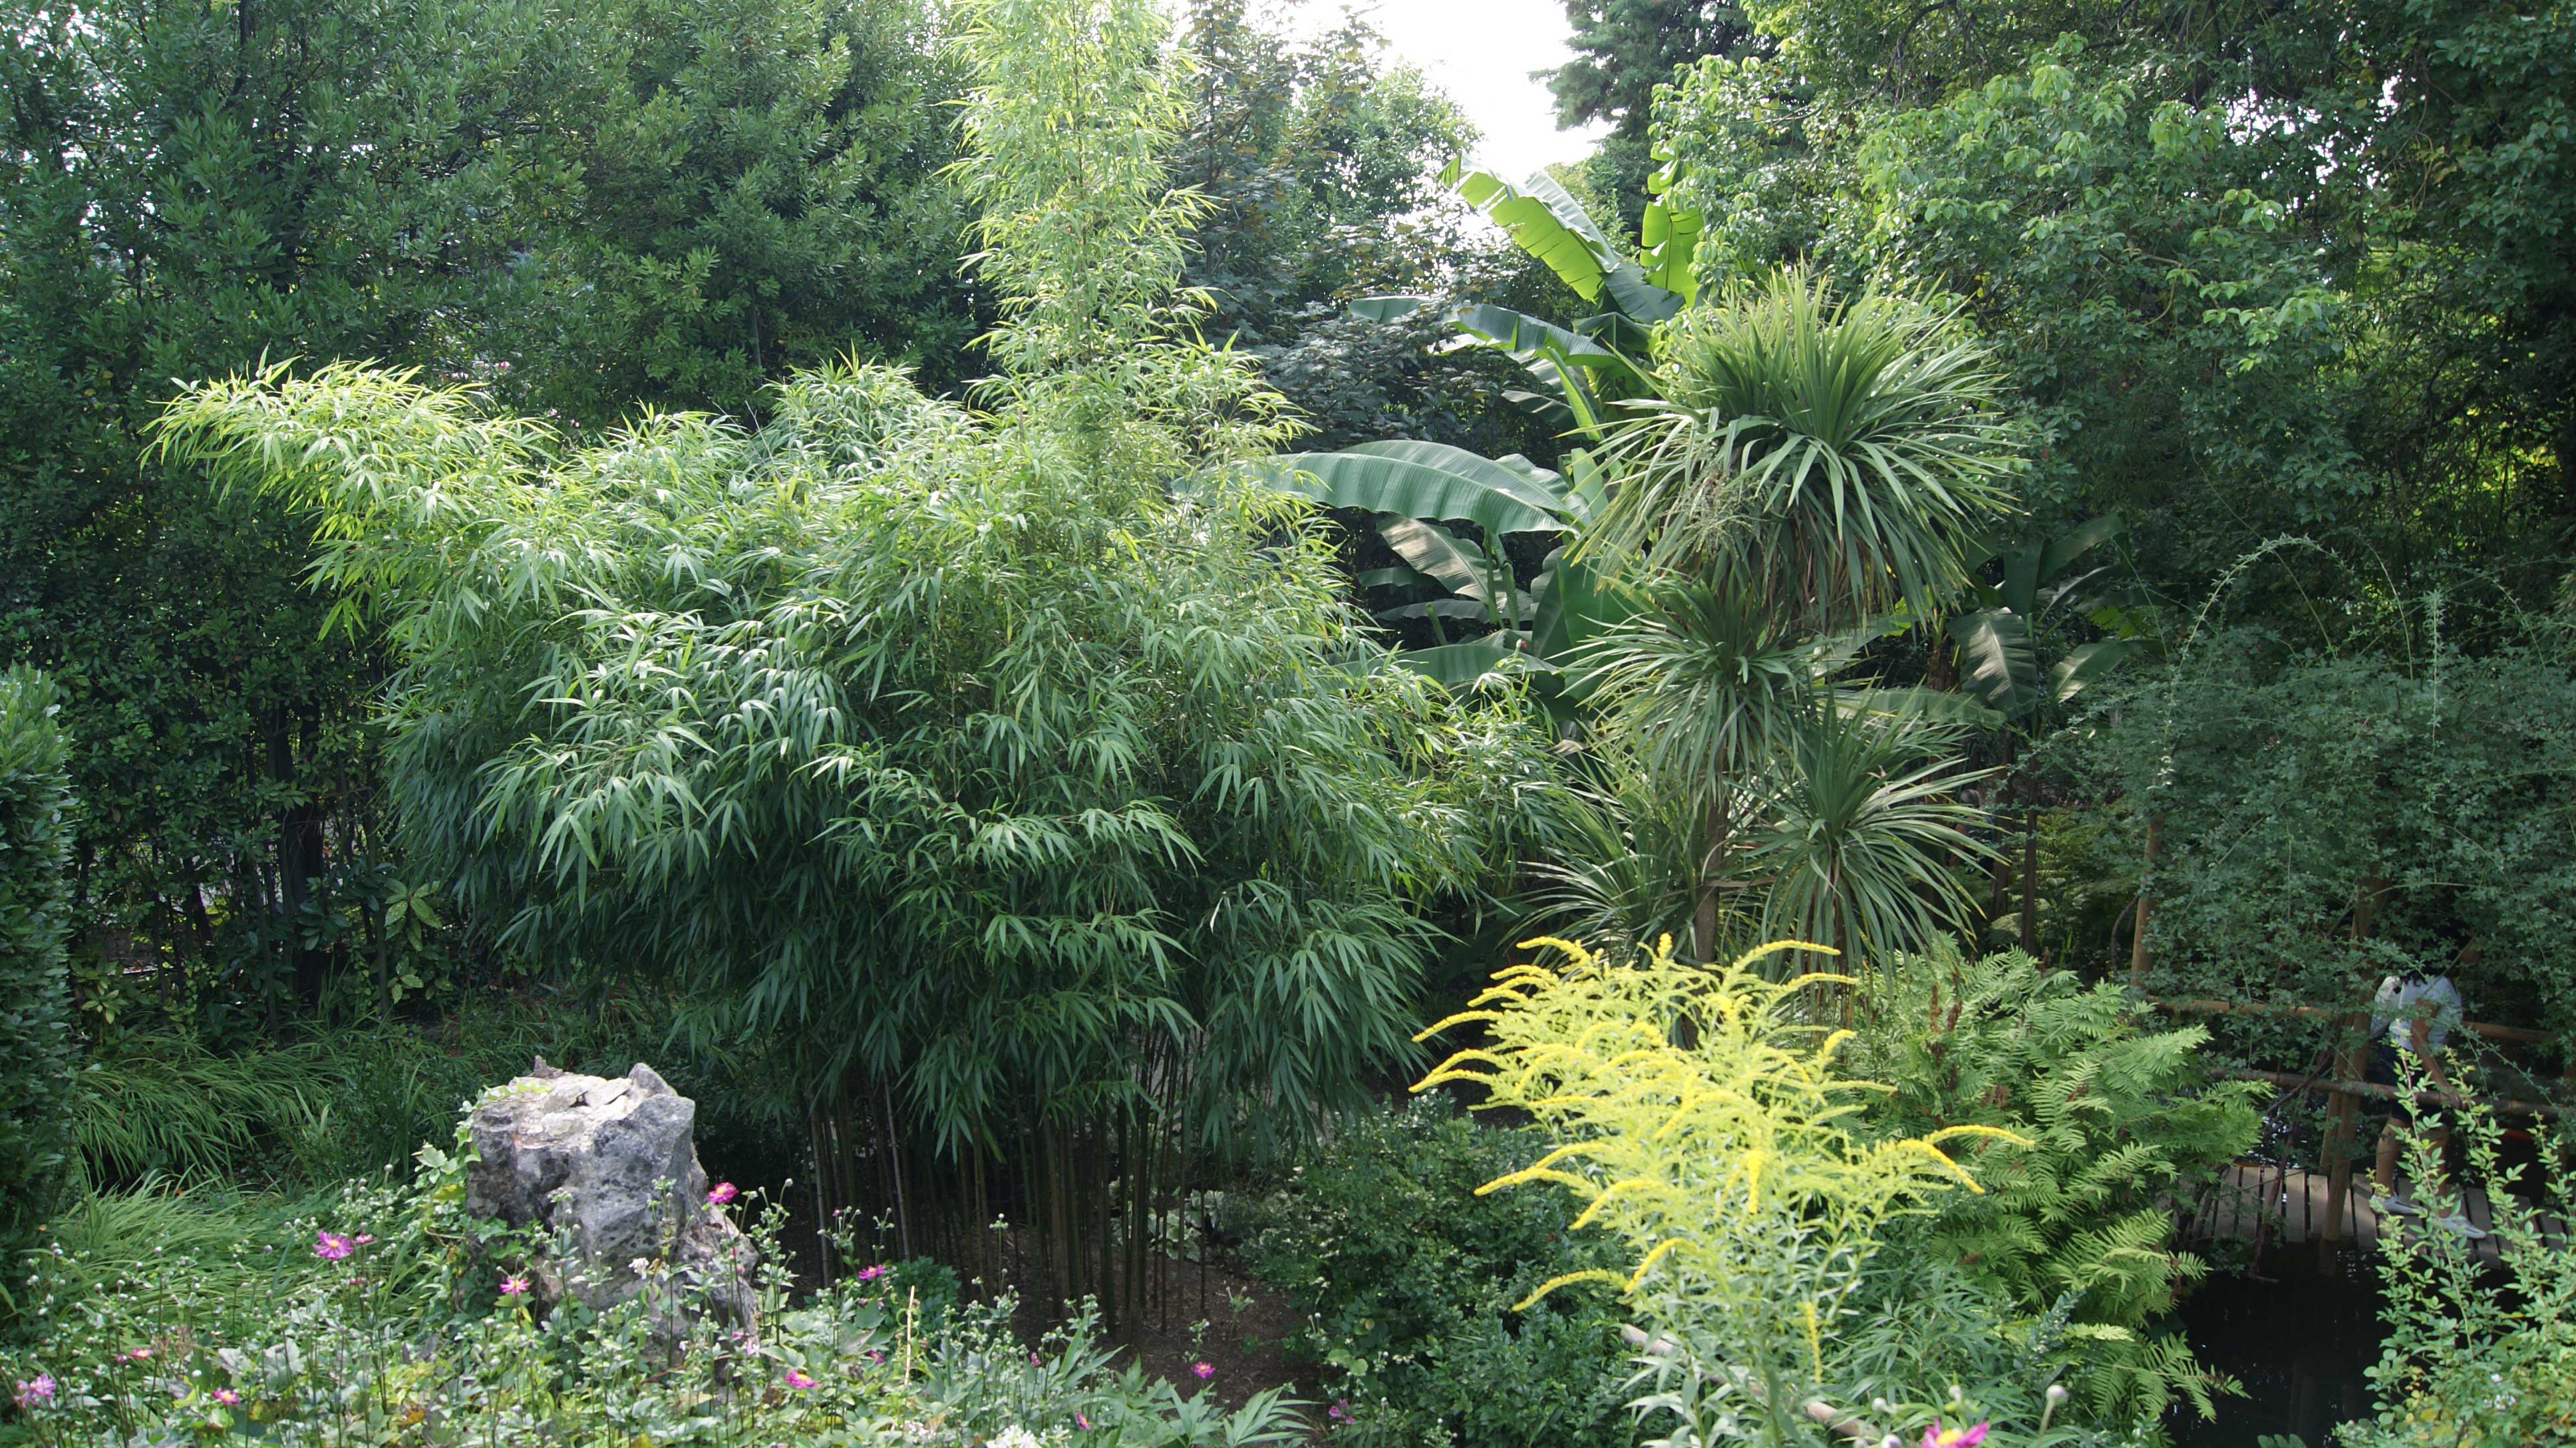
{"x": 2401, "y": 1003}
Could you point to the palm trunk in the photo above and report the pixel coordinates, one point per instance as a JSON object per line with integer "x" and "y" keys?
{"x": 1704, "y": 915}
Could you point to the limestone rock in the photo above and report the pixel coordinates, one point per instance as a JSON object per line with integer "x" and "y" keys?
{"x": 606, "y": 1171}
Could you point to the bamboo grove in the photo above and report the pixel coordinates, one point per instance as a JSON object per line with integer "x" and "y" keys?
{"x": 1043, "y": 823}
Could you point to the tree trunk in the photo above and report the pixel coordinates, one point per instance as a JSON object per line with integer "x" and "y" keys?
{"x": 1704, "y": 914}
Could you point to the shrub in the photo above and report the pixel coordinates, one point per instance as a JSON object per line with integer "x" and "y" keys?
{"x": 1405, "y": 1282}
{"x": 2119, "y": 1119}
{"x": 1702, "y": 1119}
{"x": 344, "y": 1102}
{"x": 2472, "y": 1361}
{"x": 35, "y": 917}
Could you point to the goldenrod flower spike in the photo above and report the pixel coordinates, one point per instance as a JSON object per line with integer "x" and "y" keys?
{"x": 1550, "y": 1285}
{"x": 1588, "y": 1213}
{"x": 1666, "y": 1245}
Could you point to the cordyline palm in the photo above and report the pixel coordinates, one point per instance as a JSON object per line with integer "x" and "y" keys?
{"x": 1811, "y": 466}
{"x": 1858, "y": 848}
{"x": 1704, "y": 683}
{"x": 1831, "y": 458}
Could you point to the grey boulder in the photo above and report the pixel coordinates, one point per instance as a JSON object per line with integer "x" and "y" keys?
{"x": 605, "y": 1170}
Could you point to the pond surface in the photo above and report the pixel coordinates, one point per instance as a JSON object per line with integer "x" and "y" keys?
{"x": 2300, "y": 1343}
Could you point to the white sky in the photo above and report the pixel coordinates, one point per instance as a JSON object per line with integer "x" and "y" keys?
{"x": 1481, "y": 52}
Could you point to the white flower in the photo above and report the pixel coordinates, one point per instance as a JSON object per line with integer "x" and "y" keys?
{"x": 1014, "y": 1438}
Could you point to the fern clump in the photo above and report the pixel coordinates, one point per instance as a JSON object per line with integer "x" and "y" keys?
{"x": 2120, "y": 1119}
{"x": 1703, "y": 1121}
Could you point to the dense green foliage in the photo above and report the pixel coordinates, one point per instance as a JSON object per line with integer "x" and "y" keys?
{"x": 2121, "y": 1122}
{"x": 1701, "y": 1116}
{"x": 345, "y": 1102}
{"x": 2402, "y": 770}
{"x": 36, "y": 1048}
{"x": 590, "y": 207}
{"x": 1408, "y": 1287}
{"x": 1001, "y": 796}
{"x": 2256, "y": 270}
{"x": 764, "y": 538}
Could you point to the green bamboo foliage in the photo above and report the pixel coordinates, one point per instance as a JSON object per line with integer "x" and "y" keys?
{"x": 1030, "y": 815}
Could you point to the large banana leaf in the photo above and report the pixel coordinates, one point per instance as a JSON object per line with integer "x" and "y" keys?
{"x": 1451, "y": 561}
{"x": 1512, "y": 475}
{"x": 1459, "y": 666}
{"x": 2087, "y": 663}
{"x": 1413, "y": 487}
{"x": 1999, "y": 663}
{"x": 1577, "y": 603}
{"x": 1545, "y": 222}
{"x": 1548, "y": 223}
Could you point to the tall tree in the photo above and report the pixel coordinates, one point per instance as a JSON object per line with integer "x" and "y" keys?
{"x": 1623, "y": 49}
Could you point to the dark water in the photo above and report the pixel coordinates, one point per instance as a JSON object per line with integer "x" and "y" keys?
{"x": 2300, "y": 1343}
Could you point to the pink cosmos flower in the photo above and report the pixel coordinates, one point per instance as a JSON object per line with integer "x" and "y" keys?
{"x": 362, "y": 1239}
{"x": 38, "y": 1389}
{"x": 513, "y": 1285}
{"x": 227, "y": 1396}
{"x": 871, "y": 1274}
{"x": 1204, "y": 1369}
{"x": 331, "y": 1246}
{"x": 797, "y": 1379}
{"x": 1080, "y": 1421}
{"x": 721, "y": 1193}
{"x": 1937, "y": 1436}
{"x": 1340, "y": 1412}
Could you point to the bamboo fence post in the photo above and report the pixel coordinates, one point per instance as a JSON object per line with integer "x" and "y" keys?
{"x": 2352, "y": 1063}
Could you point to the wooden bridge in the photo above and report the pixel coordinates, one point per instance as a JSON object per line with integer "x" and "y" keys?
{"x": 2278, "y": 1205}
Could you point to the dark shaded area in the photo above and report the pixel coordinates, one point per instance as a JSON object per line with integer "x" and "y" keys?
{"x": 2301, "y": 1341}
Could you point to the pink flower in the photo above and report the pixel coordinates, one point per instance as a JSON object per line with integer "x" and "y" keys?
{"x": 871, "y": 1274}
{"x": 1340, "y": 1412}
{"x": 797, "y": 1379}
{"x": 1937, "y": 1436}
{"x": 1080, "y": 1421}
{"x": 330, "y": 1246}
{"x": 227, "y": 1396}
{"x": 721, "y": 1193}
{"x": 1204, "y": 1369}
{"x": 38, "y": 1389}
{"x": 362, "y": 1239}
{"x": 513, "y": 1285}
{"x": 1033, "y": 1359}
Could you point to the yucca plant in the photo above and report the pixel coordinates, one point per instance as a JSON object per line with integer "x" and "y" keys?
{"x": 1833, "y": 457}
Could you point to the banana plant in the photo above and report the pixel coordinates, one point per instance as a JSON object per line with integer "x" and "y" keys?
{"x": 1999, "y": 642}
{"x": 1445, "y": 512}
{"x": 1592, "y": 365}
